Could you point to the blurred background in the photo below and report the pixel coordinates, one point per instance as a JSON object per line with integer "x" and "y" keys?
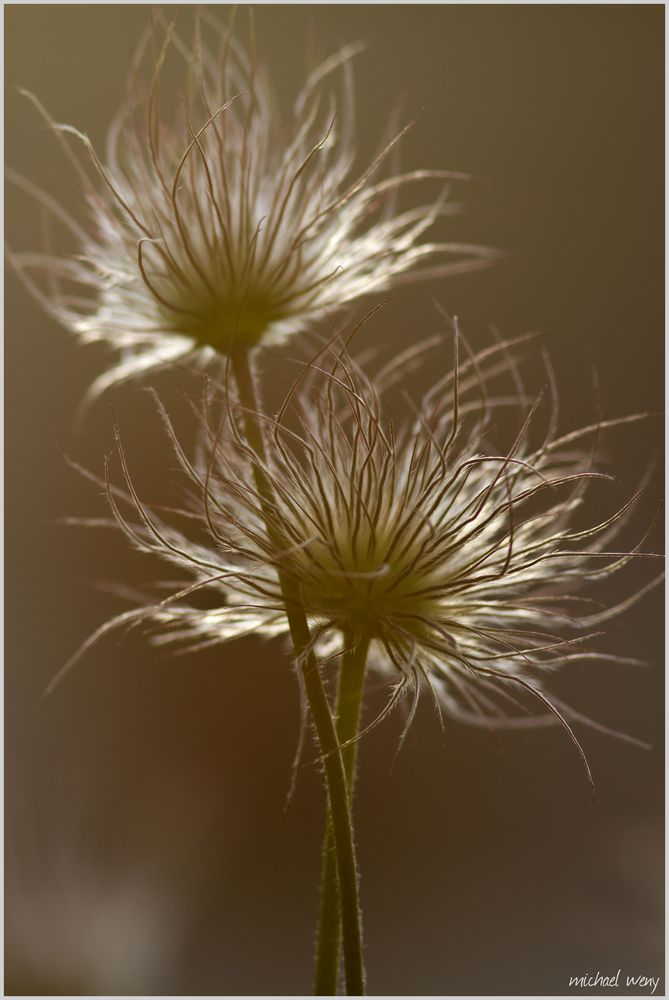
{"x": 146, "y": 847}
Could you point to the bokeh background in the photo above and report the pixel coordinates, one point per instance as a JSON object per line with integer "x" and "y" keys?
{"x": 146, "y": 847}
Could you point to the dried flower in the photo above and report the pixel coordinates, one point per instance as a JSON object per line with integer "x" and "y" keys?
{"x": 460, "y": 563}
{"x": 217, "y": 226}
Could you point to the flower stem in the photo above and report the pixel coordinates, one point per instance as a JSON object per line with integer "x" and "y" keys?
{"x": 336, "y": 784}
{"x": 349, "y": 702}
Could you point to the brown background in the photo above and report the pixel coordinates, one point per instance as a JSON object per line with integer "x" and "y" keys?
{"x": 146, "y": 850}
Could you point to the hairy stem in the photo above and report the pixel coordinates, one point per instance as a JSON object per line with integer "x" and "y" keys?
{"x": 349, "y": 702}
{"x": 335, "y": 776}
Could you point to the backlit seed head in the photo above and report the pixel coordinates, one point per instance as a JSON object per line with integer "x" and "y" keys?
{"x": 463, "y": 564}
{"x": 214, "y": 225}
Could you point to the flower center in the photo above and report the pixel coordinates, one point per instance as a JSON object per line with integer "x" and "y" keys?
{"x": 222, "y": 321}
{"x": 364, "y": 581}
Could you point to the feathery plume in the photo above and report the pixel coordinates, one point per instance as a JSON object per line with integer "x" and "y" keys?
{"x": 462, "y": 565}
{"x": 217, "y": 225}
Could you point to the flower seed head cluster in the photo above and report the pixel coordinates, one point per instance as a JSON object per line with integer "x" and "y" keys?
{"x": 460, "y": 563}
{"x": 216, "y": 226}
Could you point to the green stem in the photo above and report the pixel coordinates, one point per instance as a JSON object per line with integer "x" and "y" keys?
{"x": 337, "y": 788}
{"x": 349, "y": 702}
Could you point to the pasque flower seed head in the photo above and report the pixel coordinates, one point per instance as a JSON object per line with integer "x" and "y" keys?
{"x": 213, "y": 225}
{"x": 462, "y": 565}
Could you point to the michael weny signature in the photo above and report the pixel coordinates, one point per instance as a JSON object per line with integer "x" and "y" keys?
{"x": 590, "y": 980}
